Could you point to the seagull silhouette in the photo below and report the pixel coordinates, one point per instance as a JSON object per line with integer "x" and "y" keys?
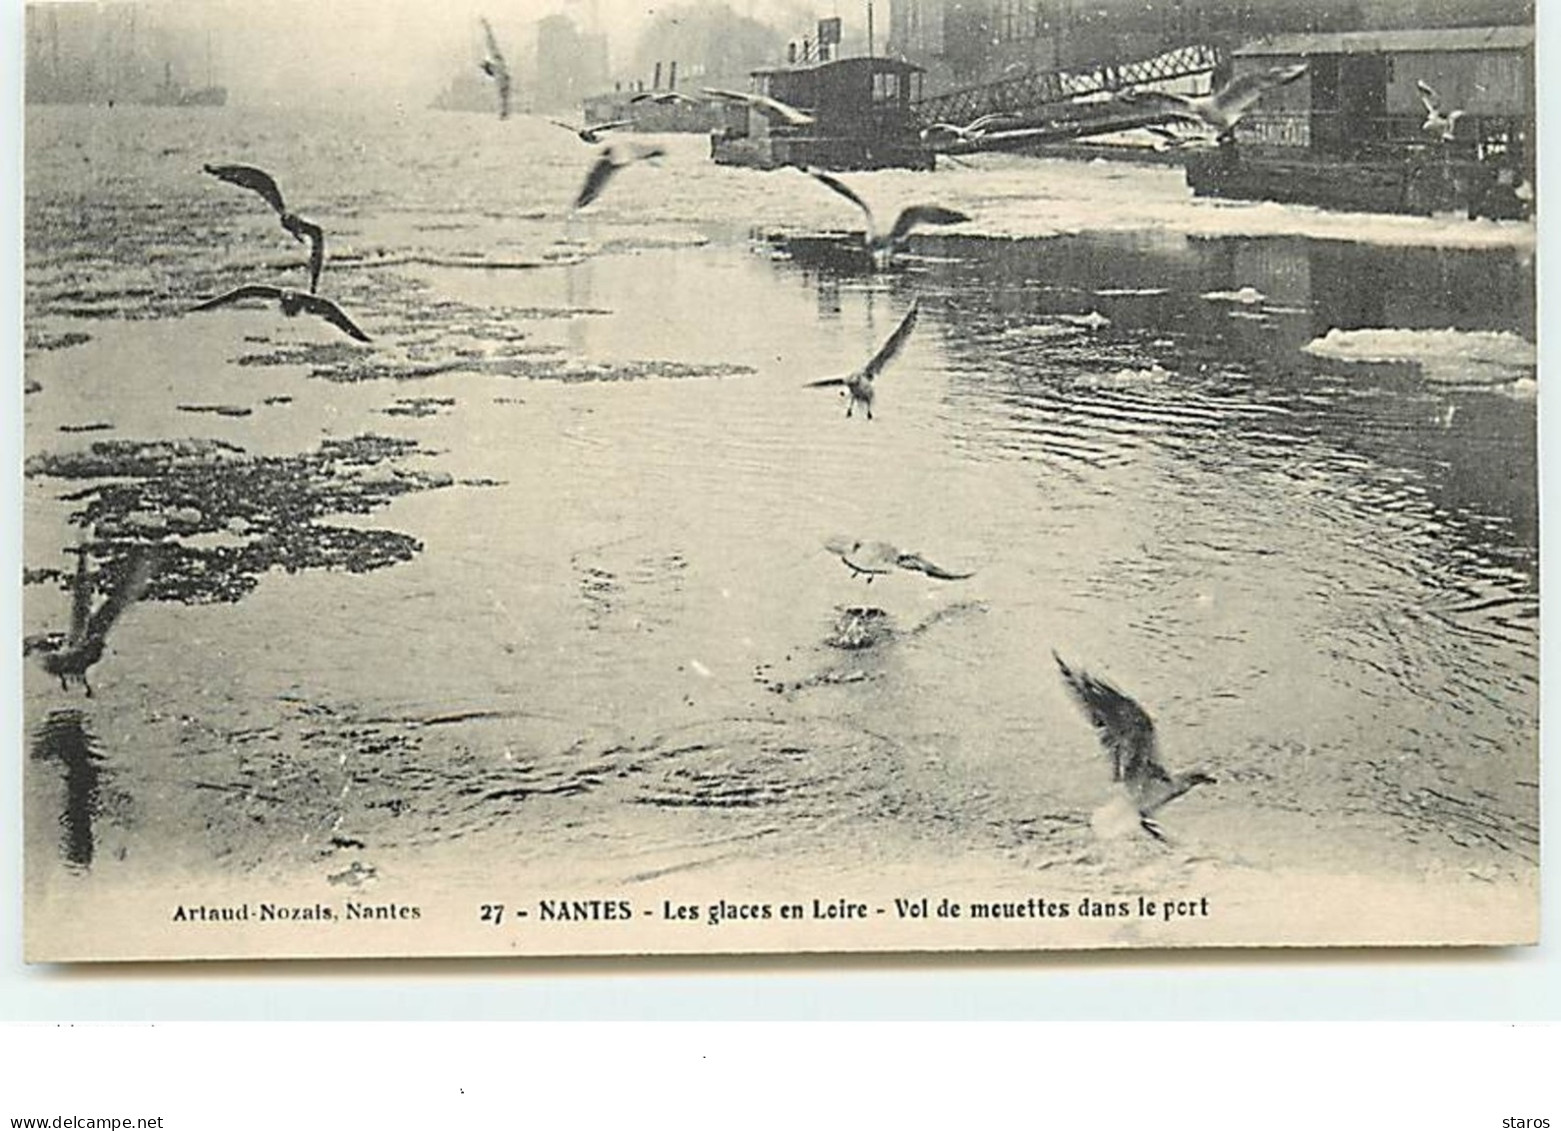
{"x": 1128, "y": 735}
{"x": 872, "y": 559}
{"x": 260, "y": 181}
{"x": 1170, "y": 138}
{"x": 858, "y": 385}
{"x": 1443, "y": 125}
{"x": 83, "y": 645}
{"x": 496, "y": 68}
{"x": 772, "y": 107}
{"x": 609, "y": 161}
{"x": 1225, "y": 107}
{"x": 592, "y": 135}
{"x": 909, "y": 218}
{"x": 663, "y": 98}
{"x": 970, "y": 132}
{"x": 947, "y": 131}
{"x": 293, "y": 302}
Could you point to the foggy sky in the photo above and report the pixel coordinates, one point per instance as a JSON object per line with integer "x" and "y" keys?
{"x": 350, "y": 50}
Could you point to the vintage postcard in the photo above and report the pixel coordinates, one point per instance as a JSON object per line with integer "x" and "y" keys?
{"x": 555, "y": 479}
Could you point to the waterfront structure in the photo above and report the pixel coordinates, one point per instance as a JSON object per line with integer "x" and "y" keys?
{"x": 570, "y": 63}
{"x": 1351, "y": 132}
{"x": 969, "y": 42}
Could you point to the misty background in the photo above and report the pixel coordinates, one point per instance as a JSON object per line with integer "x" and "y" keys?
{"x": 403, "y": 51}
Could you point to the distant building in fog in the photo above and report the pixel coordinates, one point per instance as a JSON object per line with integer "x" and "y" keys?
{"x": 965, "y": 42}
{"x": 570, "y": 64}
{"x": 115, "y": 52}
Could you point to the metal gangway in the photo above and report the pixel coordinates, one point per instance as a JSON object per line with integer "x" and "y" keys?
{"x": 1029, "y": 94}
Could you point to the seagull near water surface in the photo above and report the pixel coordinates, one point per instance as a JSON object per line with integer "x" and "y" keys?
{"x": 873, "y": 559}
{"x": 293, "y": 303}
{"x": 909, "y": 218}
{"x": 263, "y": 183}
{"x": 857, "y": 386}
{"x": 1127, "y": 733}
{"x": 1225, "y": 107}
{"x": 495, "y": 67}
{"x": 83, "y": 645}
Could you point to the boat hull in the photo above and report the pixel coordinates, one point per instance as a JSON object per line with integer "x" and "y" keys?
{"x": 842, "y": 153}
{"x": 1420, "y": 183}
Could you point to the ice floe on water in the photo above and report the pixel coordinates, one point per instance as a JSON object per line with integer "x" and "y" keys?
{"x": 1128, "y": 376}
{"x": 1024, "y": 196}
{"x": 1094, "y": 320}
{"x": 1246, "y": 296}
{"x": 1444, "y": 357}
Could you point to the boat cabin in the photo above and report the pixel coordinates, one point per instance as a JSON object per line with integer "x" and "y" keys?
{"x": 862, "y": 114}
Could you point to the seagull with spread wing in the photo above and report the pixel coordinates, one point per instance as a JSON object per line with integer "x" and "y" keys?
{"x": 592, "y": 134}
{"x": 1225, "y": 107}
{"x": 496, "y": 68}
{"x": 972, "y": 131}
{"x": 909, "y": 218}
{"x": 83, "y": 645}
{"x": 1127, "y": 733}
{"x": 1167, "y": 137}
{"x": 771, "y": 107}
{"x": 609, "y": 161}
{"x": 1443, "y": 125}
{"x": 664, "y": 98}
{"x": 873, "y": 559}
{"x": 858, "y": 385}
{"x": 293, "y": 303}
{"x": 264, "y": 184}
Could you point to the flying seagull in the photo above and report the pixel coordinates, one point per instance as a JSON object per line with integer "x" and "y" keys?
{"x": 663, "y": 98}
{"x": 764, "y": 104}
{"x": 970, "y": 132}
{"x": 609, "y": 161}
{"x": 292, "y": 303}
{"x": 909, "y": 218}
{"x": 987, "y": 121}
{"x": 870, "y": 559}
{"x": 1170, "y": 138}
{"x": 858, "y": 386}
{"x": 261, "y": 182}
{"x": 496, "y": 68}
{"x": 1127, "y": 733}
{"x": 83, "y": 646}
{"x": 948, "y": 132}
{"x": 1442, "y": 125}
{"x": 592, "y": 134}
{"x": 1225, "y": 107}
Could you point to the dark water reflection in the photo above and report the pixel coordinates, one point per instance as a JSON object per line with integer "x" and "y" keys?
{"x": 1092, "y": 345}
{"x": 63, "y": 738}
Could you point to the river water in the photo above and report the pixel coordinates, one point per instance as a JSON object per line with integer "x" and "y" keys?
{"x": 535, "y": 586}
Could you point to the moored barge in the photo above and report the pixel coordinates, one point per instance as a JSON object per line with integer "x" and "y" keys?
{"x": 1355, "y": 132}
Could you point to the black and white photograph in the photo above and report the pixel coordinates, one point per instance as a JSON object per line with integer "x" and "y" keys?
{"x": 579, "y": 477}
